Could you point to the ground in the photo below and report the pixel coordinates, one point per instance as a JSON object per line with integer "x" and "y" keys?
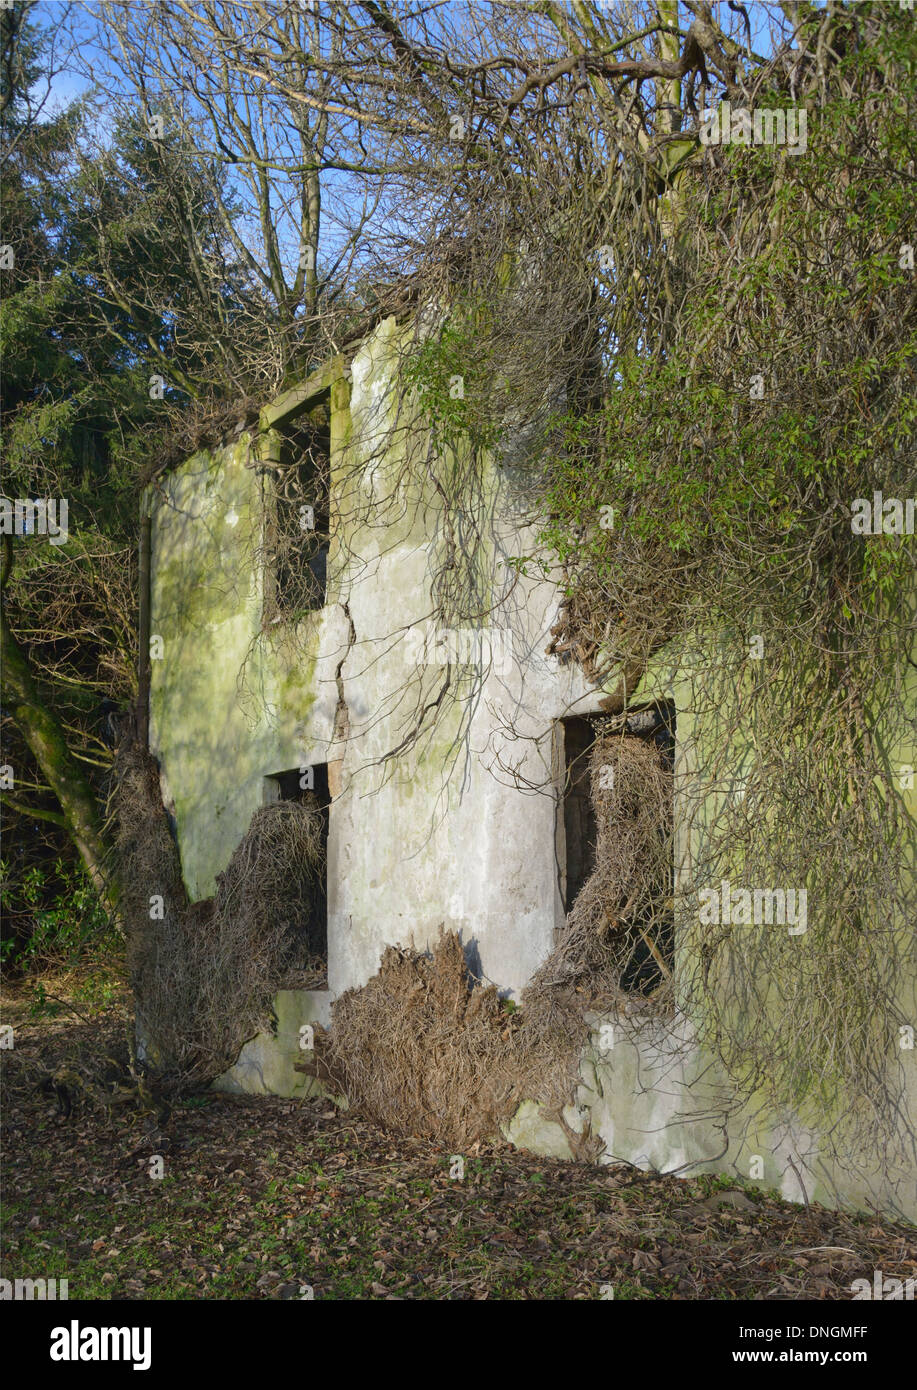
{"x": 268, "y": 1199}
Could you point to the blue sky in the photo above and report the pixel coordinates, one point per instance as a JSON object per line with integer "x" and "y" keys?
{"x": 69, "y": 84}
{"x": 78, "y": 20}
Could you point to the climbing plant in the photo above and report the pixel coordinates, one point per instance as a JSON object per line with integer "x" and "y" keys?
{"x": 718, "y": 358}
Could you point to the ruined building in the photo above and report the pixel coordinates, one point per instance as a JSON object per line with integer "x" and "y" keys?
{"x": 297, "y": 572}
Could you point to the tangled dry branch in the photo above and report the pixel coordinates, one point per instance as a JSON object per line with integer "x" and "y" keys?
{"x": 426, "y": 1048}
{"x": 205, "y": 974}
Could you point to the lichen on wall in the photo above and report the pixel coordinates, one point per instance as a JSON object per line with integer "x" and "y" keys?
{"x": 228, "y": 703}
{"x": 445, "y": 815}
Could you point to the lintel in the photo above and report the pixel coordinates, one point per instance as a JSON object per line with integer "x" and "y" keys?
{"x": 300, "y": 397}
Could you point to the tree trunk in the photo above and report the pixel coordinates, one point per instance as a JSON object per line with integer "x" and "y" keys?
{"x": 43, "y": 733}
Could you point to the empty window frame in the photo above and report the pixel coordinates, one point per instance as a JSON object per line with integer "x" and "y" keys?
{"x": 309, "y": 900}
{"x": 651, "y": 934}
{"x": 579, "y": 813}
{"x": 296, "y": 458}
